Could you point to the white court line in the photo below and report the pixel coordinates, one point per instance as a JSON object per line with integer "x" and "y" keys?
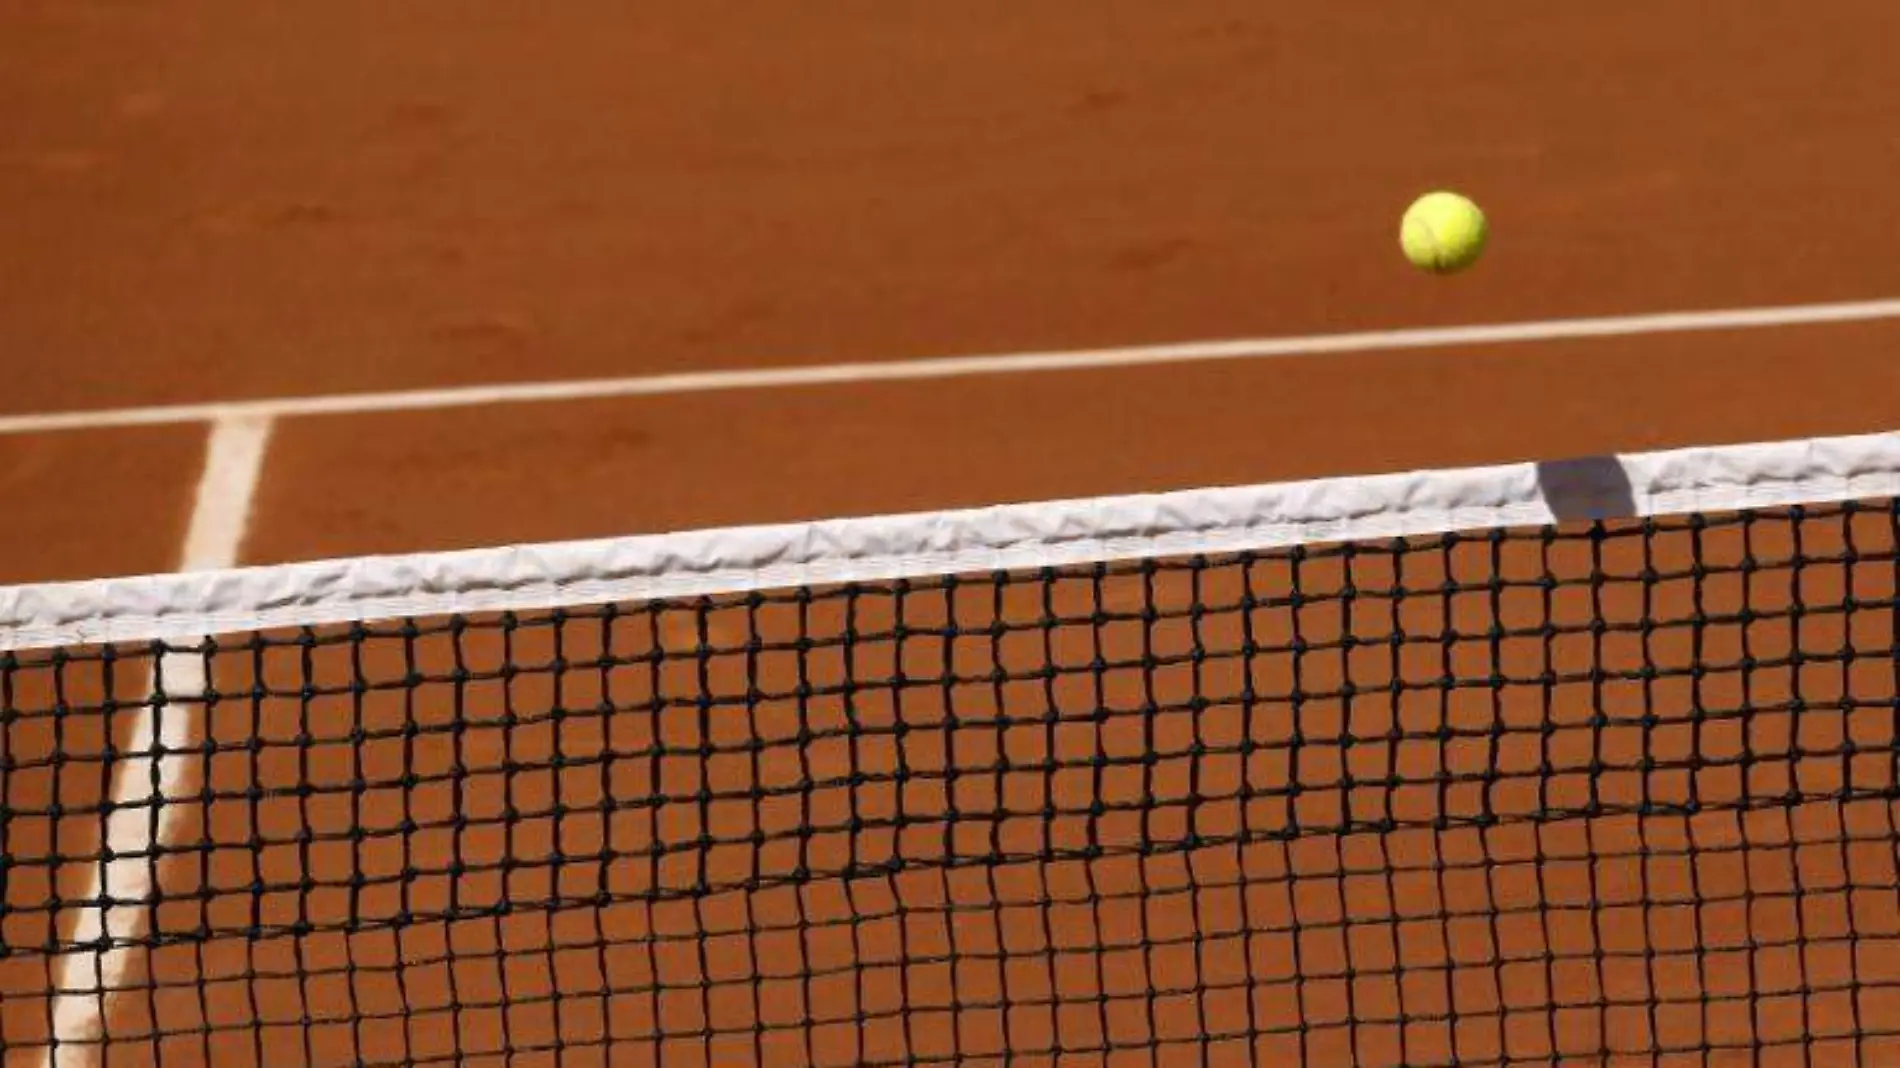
{"x": 959, "y": 366}
{"x": 234, "y": 456}
{"x": 158, "y": 767}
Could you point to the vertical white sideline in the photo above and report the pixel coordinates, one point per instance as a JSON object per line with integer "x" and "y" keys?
{"x": 156, "y": 766}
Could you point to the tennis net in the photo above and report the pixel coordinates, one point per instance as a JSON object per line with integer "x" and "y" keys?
{"x": 1587, "y": 762}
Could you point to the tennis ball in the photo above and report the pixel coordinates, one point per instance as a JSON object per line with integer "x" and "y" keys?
{"x": 1443, "y": 233}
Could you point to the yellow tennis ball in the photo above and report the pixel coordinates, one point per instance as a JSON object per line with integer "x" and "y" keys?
{"x": 1443, "y": 233}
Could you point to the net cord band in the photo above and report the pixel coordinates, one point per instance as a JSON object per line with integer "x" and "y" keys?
{"x": 184, "y": 607}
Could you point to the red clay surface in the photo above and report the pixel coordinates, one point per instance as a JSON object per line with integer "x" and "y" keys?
{"x": 224, "y": 199}
{"x": 436, "y": 480}
{"x": 83, "y": 505}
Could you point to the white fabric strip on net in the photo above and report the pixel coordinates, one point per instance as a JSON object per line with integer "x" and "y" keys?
{"x": 186, "y": 606}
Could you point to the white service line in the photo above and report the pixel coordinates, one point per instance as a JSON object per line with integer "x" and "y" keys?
{"x": 221, "y": 508}
{"x": 959, "y": 366}
{"x": 158, "y": 771}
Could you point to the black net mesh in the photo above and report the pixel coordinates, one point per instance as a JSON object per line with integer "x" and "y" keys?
{"x": 1593, "y": 794}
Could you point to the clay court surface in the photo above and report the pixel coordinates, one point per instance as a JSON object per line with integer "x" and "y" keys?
{"x": 226, "y": 201}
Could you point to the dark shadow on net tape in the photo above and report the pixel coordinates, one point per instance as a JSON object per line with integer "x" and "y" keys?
{"x": 1587, "y": 488}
